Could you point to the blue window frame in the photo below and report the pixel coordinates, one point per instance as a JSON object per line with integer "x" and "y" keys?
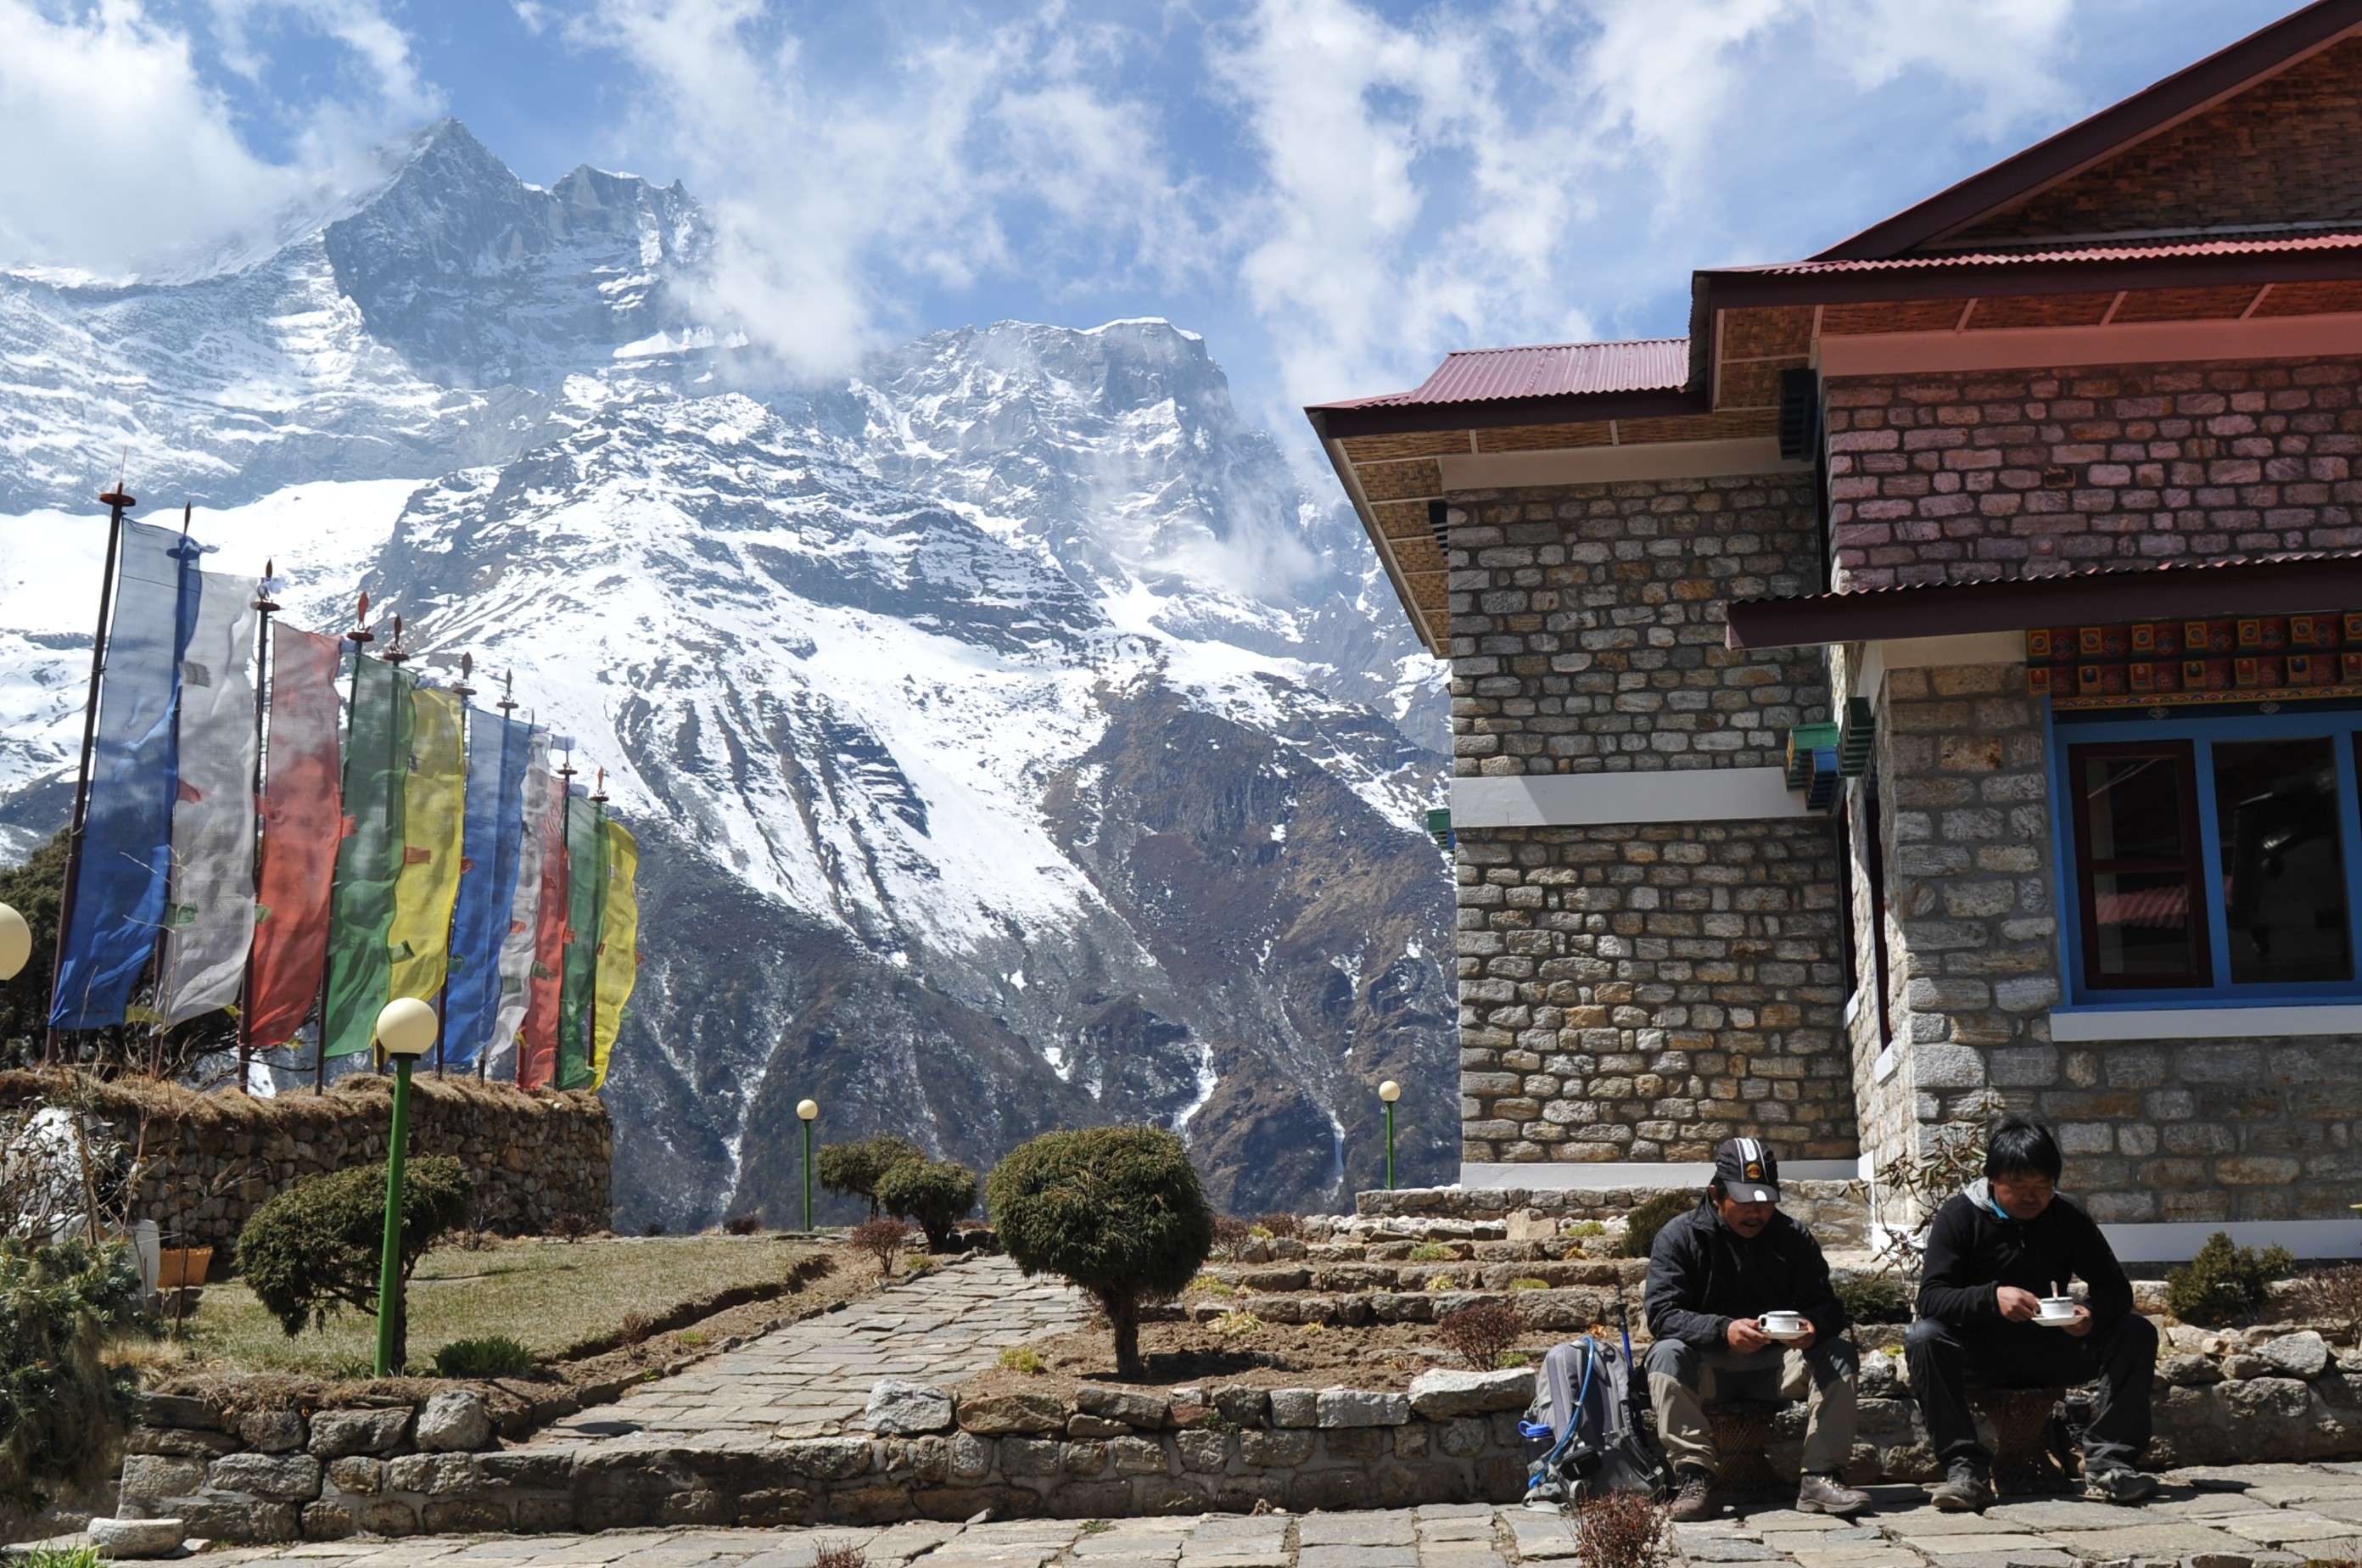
{"x": 2213, "y": 859}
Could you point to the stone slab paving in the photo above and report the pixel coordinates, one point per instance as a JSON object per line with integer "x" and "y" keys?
{"x": 812, "y": 1378}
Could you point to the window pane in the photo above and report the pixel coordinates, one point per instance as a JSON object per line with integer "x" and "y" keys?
{"x": 2284, "y": 868}
{"x": 2136, "y": 859}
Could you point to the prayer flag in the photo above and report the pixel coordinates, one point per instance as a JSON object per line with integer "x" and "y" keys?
{"x": 487, "y": 878}
{"x": 209, "y": 918}
{"x": 619, "y": 958}
{"x": 537, "y": 1055}
{"x": 427, "y": 886}
{"x": 586, "y": 888}
{"x": 127, "y": 844}
{"x": 541, "y": 799}
{"x": 303, "y": 820}
{"x": 376, "y": 762}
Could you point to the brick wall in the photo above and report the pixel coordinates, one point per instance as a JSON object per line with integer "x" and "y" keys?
{"x": 1587, "y": 625}
{"x": 1642, "y": 992}
{"x": 1965, "y": 478}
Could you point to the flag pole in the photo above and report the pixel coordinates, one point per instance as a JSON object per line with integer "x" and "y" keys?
{"x": 361, "y": 636}
{"x": 463, "y": 690}
{"x": 508, "y": 708}
{"x": 117, "y": 502}
{"x": 264, "y": 604}
{"x": 396, "y": 655}
{"x": 598, "y": 889}
{"x": 161, "y": 976}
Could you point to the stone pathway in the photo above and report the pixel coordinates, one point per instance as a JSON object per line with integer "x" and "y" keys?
{"x": 812, "y": 1378}
{"x": 2260, "y": 1516}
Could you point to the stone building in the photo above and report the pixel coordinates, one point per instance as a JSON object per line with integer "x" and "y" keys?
{"x": 1934, "y": 683}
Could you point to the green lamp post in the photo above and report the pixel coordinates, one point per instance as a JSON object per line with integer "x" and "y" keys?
{"x": 406, "y": 1028}
{"x": 1390, "y": 1091}
{"x": 16, "y": 943}
{"x": 807, "y": 1111}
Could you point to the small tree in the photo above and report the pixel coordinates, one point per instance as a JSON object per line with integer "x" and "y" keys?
{"x": 1480, "y": 1335}
{"x": 883, "y": 1240}
{"x": 934, "y": 1195}
{"x": 854, "y": 1169}
{"x": 62, "y": 1406}
{"x": 315, "y": 1248}
{"x": 1116, "y": 1211}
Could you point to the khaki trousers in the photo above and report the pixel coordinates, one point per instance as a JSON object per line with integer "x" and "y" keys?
{"x": 1683, "y": 1380}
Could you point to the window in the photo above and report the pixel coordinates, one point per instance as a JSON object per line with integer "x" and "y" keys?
{"x": 2211, "y": 857}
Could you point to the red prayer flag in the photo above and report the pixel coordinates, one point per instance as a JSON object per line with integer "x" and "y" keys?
{"x": 537, "y": 1042}
{"x": 302, "y": 818}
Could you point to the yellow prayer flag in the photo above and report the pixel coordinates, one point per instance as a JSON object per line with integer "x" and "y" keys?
{"x": 618, "y": 937}
{"x": 434, "y": 811}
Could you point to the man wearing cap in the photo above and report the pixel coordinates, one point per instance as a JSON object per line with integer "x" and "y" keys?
{"x": 1712, "y": 1274}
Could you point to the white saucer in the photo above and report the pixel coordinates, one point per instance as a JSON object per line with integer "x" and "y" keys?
{"x": 1787, "y": 1339}
{"x": 2054, "y": 1323}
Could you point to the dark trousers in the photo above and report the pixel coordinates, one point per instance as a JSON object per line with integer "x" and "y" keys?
{"x": 1946, "y": 1360}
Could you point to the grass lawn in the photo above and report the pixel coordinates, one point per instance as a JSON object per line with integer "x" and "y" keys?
{"x": 546, "y": 1295}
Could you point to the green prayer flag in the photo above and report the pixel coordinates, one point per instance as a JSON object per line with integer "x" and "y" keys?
{"x": 586, "y": 904}
{"x": 369, "y": 857}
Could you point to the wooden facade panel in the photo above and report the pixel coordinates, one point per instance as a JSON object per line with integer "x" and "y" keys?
{"x": 1417, "y": 555}
{"x": 1416, "y": 444}
{"x": 1755, "y": 384}
{"x": 1891, "y": 315}
{"x": 2182, "y": 304}
{"x": 1765, "y": 333}
{"x": 1398, "y": 481}
{"x": 1543, "y": 437}
{"x": 1401, "y": 519}
{"x": 2325, "y": 298}
{"x": 1726, "y": 425}
{"x": 2040, "y": 310}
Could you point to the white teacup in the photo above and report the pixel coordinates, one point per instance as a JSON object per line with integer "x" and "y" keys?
{"x": 2056, "y": 1309}
{"x": 1783, "y": 1325}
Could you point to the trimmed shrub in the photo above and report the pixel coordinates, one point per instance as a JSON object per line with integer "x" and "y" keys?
{"x": 934, "y": 1195}
{"x": 1482, "y": 1334}
{"x": 2331, "y": 1295}
{"x": 1280, "y": 1224}
{"x": 1623, "y": 1529}
{"x": 2224, "y": 1282}
{"x": 61, "y": 1407}
{"x": 743, "y": 1225}
{"x": 883, "y": 1240}
{"x": 1118, "y": 1211}
{"x": 1872, "y": 1298}
{"x": 499, "y": 1357}
{"x": 1231, "y": 1236}
{"x": 1640, "y": 1226}
{"x": 315, "y": 1248}
{"x": 854, "y": 1169}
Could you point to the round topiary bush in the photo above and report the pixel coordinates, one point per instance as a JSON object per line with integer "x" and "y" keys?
{"x": 934, "y": 1195}
{"x": 1640, "y": 1226}
{"x": 854, "y": 1169}
{"x": 315, "y": 1248}
{"x": 1116, "y": 1211}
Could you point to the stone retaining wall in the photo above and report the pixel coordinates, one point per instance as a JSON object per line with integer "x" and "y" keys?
{"x": 209, "y": 1159}
{"x": 1837, "y": 1212}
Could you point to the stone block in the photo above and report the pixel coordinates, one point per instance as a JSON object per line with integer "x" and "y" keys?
{"x": 336, "y": 1433}
{"x": 158, "y": 1476}
{"x": 1204, "y": 1452}
{"x": 1276, "y": 1450}
{"x": 826, "y": 1458}
{"x": 280, "y": 1477}
{"x": 2305, "y": 1354}
{"x": 455, "y": 1421}
{"x": 1244, "y": 1407}
{"x": 971, "y": 1456}
{"x": 183, "y": 1442}
{"x": 358, "y": 1474}
{"x": 388, "y": 1516}
{"x": 1029, "y": 1456}
{"x": 328, "y": 1521}
{"x": 1360, "y": 1407}
{"x": 1295, "y": 1408}
{"x": 136, "y": 1538}
{"x": 993, "y": 1414}
{"x": 1446, "y": 1393}
{"x": 455, "y": 1515}
{"x": 1082, "y": 1425}
{"x": 1139, "y": 1456}
{"x": 241, "y": 1520}
{"x": 271, "y": 1432}
{"x": 1090, "y": 1457}
{"x": 178, "y": 1410}
{"x": 1133, "y": 1407}
{"x": 541, "y": 1469}
{"x": 440, "y": 1473}
{"x": 905, "y": 1408}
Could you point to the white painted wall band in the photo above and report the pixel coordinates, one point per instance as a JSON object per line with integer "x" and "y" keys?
{"x": 1606, "y": 465}
{"x": 2204, "y": 1022}
{"x": 1598, "y": 799}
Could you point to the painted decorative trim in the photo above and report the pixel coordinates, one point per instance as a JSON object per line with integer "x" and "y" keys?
{"x": 1554, "y": 1177}
{"x": 2178, "y": 1241}
{"x": 2204, "y": 1022}
{"x": 1603, "y": 465}
{"x": 2040, "y": 347}
{"x": 1597, "y": 799}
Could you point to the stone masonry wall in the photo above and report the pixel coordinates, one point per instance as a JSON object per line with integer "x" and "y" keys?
{"x": 1587, "y": 625}
{"x": 1641, "y": 992}
{"x": 208, "y": 1161}
{"x": 1956, "y": 478}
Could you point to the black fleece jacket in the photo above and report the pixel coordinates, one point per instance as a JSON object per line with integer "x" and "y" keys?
{"x": 1703, "y": 1273}
{"x": 1971, "y": 1248}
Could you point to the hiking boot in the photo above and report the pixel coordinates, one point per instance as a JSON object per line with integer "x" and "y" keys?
{"x": 1830, "y": 1495}
{"x": 2118, "y": 1484}
{"x": 1694, "y": 1500}
{"x": 1966, "y": 1490}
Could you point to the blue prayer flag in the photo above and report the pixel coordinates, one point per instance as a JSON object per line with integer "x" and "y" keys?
{"x": 492, "y": 845}
{"x": 127, "y": 847}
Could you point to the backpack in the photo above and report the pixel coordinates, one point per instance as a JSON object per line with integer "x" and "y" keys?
{"x": 1581, "y": 1421}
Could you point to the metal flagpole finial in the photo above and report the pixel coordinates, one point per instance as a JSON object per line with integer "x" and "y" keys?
{"x": 266, "y": 588}
{"x": 467, "y": 668}
{"x": 360, "y": 634}
{"x": 599, "y": 794}
{"x": 394, "y": 652}
{"x": 508, "y": 691}
{"x": 188, "y": 515}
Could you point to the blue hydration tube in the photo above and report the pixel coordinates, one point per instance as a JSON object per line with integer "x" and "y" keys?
{"x": 1527, "y": 1428}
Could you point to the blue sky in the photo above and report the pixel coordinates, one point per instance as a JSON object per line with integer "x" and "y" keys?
{"x": 1334, "y": 192}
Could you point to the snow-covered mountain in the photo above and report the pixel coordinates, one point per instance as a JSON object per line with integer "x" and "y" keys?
{"x": 1013, "y": 741}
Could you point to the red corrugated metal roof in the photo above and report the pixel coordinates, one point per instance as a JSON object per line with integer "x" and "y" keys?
{"x": 1547, "y": 369}
{"x": 2295, "y": 244}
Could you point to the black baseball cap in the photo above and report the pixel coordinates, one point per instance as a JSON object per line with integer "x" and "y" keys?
{"x": 1748, "y": 1171}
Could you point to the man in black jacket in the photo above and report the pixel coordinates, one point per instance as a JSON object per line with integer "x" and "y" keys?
{"x": 1712, "y": 1274}
{"x": 1993, "y": 1253}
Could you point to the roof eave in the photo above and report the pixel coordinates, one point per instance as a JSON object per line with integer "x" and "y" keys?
{"x": 1344, "y": 420}
{"x": 1740, "y": 287}
{"x": 2079, "y": 146}
{"x": 1344, "y": 466}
